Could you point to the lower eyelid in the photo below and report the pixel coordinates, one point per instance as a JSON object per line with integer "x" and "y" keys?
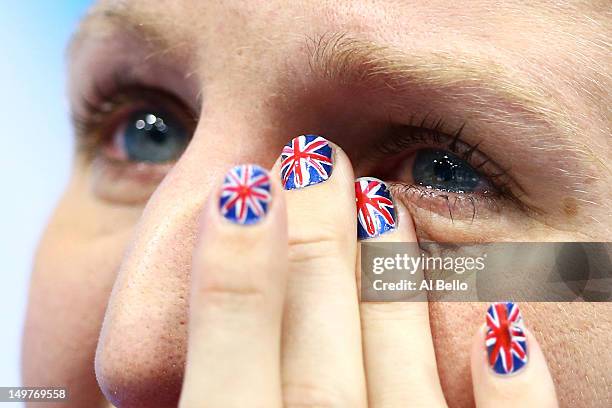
{"x": 124, "y": 182}
{"x": 453, "y": 206}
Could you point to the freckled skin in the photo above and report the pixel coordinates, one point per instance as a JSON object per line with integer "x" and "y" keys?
{"x": 570, "y": 207}
{"x": 91, "y": 246}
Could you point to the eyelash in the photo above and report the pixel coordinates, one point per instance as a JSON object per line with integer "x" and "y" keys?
{"x": 92, "y": 125}
{"x": 431, "y": 132}
{"x": 92, "y": 128}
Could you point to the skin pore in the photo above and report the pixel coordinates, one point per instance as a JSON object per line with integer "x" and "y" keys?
{"x": 524, "y": 88}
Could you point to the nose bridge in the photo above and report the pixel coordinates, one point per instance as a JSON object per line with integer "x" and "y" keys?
{"x": 142, "y": 345}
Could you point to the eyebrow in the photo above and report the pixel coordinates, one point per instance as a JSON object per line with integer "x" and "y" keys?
{"x": 344, "y": 59}
{"x": 485, "y": 83}
{"x": 103, "y": 19}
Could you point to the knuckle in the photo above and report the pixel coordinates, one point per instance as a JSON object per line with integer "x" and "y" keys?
{"x": 322, "y": 245}
{"x": 188, "y": 403}
{"x": 384, "y": 312}
{"x": 231, "y": 295}
{"x": 304, "y": 395}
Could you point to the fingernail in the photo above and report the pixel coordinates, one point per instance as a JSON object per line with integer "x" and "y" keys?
{"x": 375, "y": 210}
{"x": 245, "y": 194}
{"x": 306, "y": 160}
{"x": 505, "y": 340}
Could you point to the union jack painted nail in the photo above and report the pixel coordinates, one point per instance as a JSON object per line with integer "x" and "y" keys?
{"x": 245, "y": 194}
{"x": 306, "y": 160}
{"x": 375, "y": 210}
{"x": 505, "y": 340}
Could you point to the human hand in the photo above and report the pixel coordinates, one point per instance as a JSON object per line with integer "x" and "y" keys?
{"x": 275, "y": 318}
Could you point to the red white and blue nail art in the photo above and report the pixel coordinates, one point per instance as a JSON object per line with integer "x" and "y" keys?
{"x": 245, "y": 194}
{"x": 505, "y": 339}
{"x": 306, "y": 160}
{"x": 375, "y": 210}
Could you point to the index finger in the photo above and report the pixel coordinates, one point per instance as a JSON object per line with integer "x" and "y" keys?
{"x": 237, "y": 295}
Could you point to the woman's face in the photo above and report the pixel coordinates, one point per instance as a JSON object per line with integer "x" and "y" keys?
{"x": 516, "y": 97}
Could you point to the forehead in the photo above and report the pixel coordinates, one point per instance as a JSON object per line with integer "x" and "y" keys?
{"x": 422, "y": 18}
{"x": 410, "y": 21}
{"x": 560, "y": 46}
{"x": 523, "y": 34}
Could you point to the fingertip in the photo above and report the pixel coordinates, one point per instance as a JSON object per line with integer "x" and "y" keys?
{"x": 223, "y": 205}
{"x": 308, "y": 160}
{"x": 343, "y": 173}
{"x": 245, "y": 213}
{"x": 404, "y": 230}
{"x": 317, "y": 179}
{"x": 478, "y": 352}
{"x": 501, "y": 378}
{"x": 377, "y": 216}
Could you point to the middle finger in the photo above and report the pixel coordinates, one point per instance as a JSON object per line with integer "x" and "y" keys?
{"x": 322, "y": 356}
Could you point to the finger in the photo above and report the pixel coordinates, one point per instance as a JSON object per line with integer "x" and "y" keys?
{"x": 398, "y": 349}
{"x": 237, "y": 294}
{"x": 508, "y": 366}
{"x": 322, "y": 357}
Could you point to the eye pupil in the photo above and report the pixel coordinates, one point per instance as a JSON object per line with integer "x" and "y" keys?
{"x": 158, "y": 137}
{"x": 154, "y": 136}
{"x": 442, "y": 170}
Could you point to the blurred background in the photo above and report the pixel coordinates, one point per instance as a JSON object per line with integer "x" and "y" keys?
{"x": 37, "y": 144}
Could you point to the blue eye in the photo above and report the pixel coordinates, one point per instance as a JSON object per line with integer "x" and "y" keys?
{"x": 153, "y": 136}
{"x": 445, "y": 171}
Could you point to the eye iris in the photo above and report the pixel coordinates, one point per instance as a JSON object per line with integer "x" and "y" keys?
{"x": 443, "y": 170}
{"x": 154, "y": 136}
